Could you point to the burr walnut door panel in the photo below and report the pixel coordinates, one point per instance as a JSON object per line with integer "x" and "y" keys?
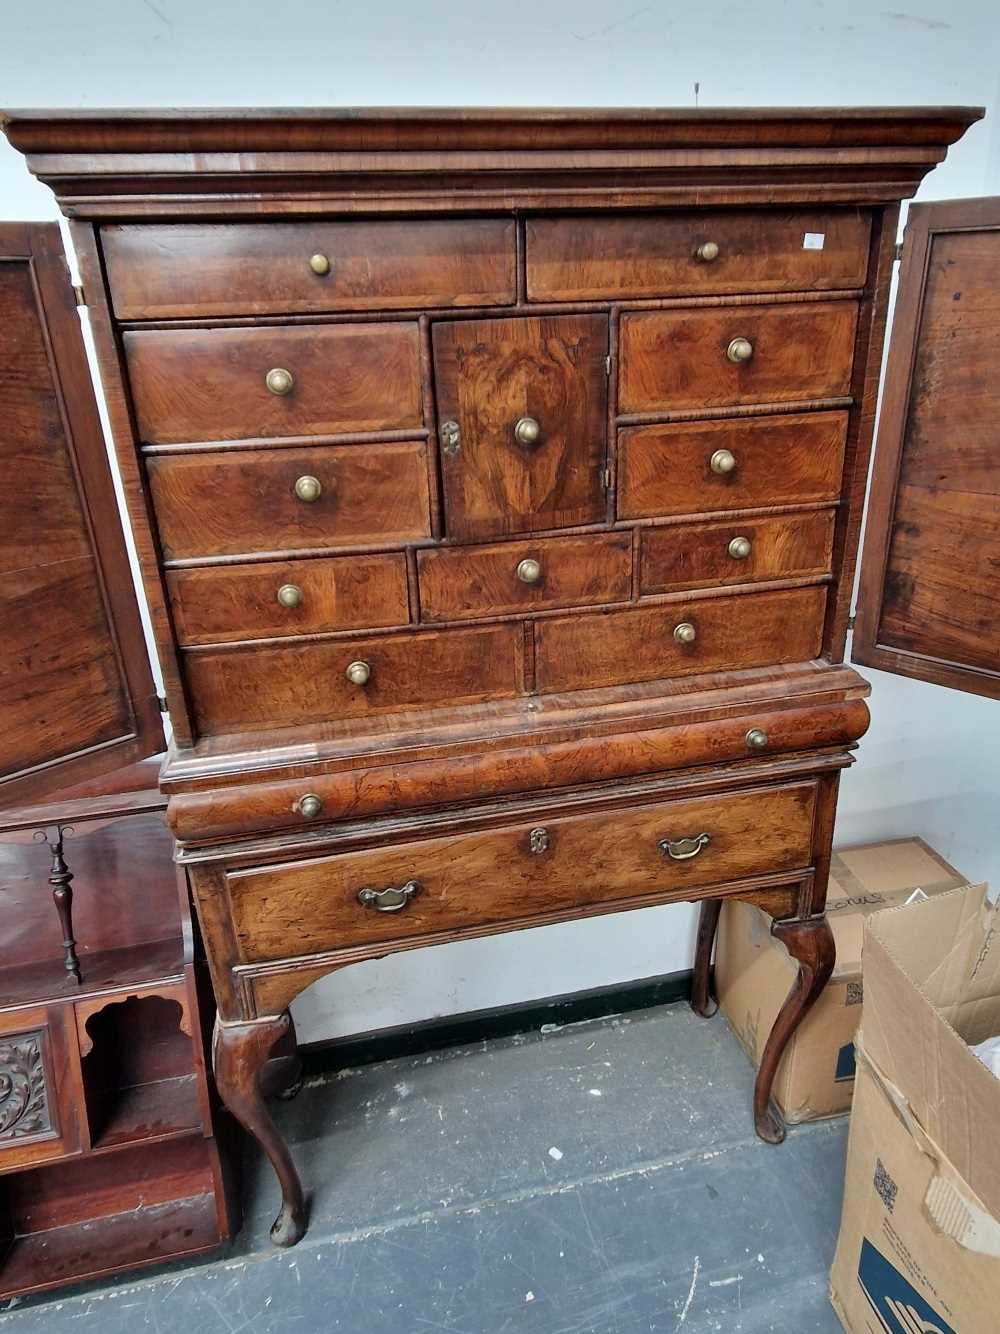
{"x": 522, "y": 418}
{"x": 77, "y": 693}
{"x": 929, "y": 600}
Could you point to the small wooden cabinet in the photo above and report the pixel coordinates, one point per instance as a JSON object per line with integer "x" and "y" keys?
{"x": 496, "y": 478}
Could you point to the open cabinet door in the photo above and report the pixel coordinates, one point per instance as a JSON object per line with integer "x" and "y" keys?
{"x": 929, "y": 598}
{"x": 77, "y": 697}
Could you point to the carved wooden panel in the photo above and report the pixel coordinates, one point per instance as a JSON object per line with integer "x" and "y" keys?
{"x": 25, "y": 1110}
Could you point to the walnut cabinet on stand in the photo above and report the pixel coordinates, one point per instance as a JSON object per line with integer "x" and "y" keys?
{"x": 496, "y": 478}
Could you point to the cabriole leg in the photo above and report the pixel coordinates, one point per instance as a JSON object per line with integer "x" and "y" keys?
{"x": 239, "y": 1054}
{"x": 702, "y": 1000}
{"x": 811, "y": 943}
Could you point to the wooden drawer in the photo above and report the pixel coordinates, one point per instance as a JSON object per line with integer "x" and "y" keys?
{"x": 657, "y": 254}
{"x": 786, "y": 460}
{"x": 194, "y": 385}
{"x": 618, "y": 647}
{"x": 231, "y": 503}
{"x": 553, "y": 865}
{"x": 735, "y": 551}
{"x": 230, "y": 602}
{"x": 460, "y": 582}
{"x": 677, "y": 359}
{"x": 241, "y": 690}
{"x": 203, "y": 270}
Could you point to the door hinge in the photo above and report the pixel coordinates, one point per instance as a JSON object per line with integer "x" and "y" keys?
{"x": 606, "y": 479}
{"x": 851, "y": 619}
{"x": 898, "y": 252}
{"x": 161, "y": 701}
{"x": 79, "y": 295}
{"x": 607, "y": 364}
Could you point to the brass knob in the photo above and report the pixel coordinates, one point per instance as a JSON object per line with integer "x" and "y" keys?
{"x": 359, "y": 673}
{"x": 707, "y": 252}
{"x": 320, "y": 265}
{"x": 739, "y": 350}
{"x": 308, "y": 489}
{"x": 739, "y": 548}
{"x": 527, "y": 431}
{"x": 756, "y": 738}
{"x": 685, "y": 633}
{"x": 722, "y": 461}
{"x": 279, "y": 381}
{"x": 310, "y": 805}
{"x": 290, "y": 595}
{"x": 529, "y": 571}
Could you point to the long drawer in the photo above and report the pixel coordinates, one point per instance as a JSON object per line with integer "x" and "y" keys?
{"x": 698, "y": 467}
{"x": 195, "y": 385}
{"x": 309, "y": 681}
{"x": 683, "y": 253}
{"x": 465, "y": 880}
{"x": 199, "y": 270}
{"x": 729, "y": 355}
{"x": 645, "y": 643}
{"x": 234, "y": 503}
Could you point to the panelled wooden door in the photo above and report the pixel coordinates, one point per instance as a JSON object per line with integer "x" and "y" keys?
{"x": 522, "y": 418}
{"x": 76, "y": 692}
{"x": 929, "y": 599}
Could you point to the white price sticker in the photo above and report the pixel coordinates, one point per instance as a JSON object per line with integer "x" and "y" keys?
{"x": 813, "y": 240}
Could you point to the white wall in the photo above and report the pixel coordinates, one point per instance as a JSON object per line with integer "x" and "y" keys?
{"x": 930, "y": 763}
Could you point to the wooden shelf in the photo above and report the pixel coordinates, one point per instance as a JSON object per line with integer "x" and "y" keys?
{"x": 148, "y": 1113}
{"x": 135, "y": 1239}
{"x": 151, "y": 964}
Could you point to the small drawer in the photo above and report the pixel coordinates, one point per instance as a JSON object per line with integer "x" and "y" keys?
{"x": 698, "y": 467}
{"x": 650, "y": 643}
{"x": 221, "y": 503}
{"x": 242, "y": 690}
{"x": 268, "y": 599}
{"x": 729, "y": 355}
{"x": 735, "y": 551}
{"x": 201, "y": 385}
{"x": 554, "y": 865}
{"x": 41, "y": 1094}
{"x": 684, "y": 253}
{"x": 197, "y": 270}
{"x": 461, "y": 582}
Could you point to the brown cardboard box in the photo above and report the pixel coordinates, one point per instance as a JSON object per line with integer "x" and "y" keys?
{"x": 919, "y": 1245}
{"x": 753, "y": 972}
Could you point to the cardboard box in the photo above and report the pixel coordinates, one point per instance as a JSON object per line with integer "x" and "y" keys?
{"x": 919, "y": 1245}
{"x": 754, "y": 972}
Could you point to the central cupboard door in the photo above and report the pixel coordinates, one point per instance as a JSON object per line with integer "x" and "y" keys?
{"x": 522, "y": 419}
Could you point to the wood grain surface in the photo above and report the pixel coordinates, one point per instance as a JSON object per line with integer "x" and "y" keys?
{"x": 678, "y": 556}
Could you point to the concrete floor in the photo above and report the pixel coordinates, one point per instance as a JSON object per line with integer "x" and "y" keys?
{"x": 599, "y": 1179}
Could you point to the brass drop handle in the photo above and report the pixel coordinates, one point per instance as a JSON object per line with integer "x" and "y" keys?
{"x": 308, "y": 489}
{"x": 740, "y": 548}
{"x": 723, "y": 461}
{"x": 320, "y": 265}
{"x": 707, "y": 252}
{"x": 290, "y": 595}
{"x": 529, "y": 571}
{"x": 359, "y": 673}
{"x": 739, "y": 350}
{"x": 527, "y": 431}
{"x": 685, "y": 633}
{"x": 389, "y": 899}
{"x": 310, "y": 805}
{"x": 683, "y": 849}
{"x": 757, "y": 738}
{"x": 279, "y": 381}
